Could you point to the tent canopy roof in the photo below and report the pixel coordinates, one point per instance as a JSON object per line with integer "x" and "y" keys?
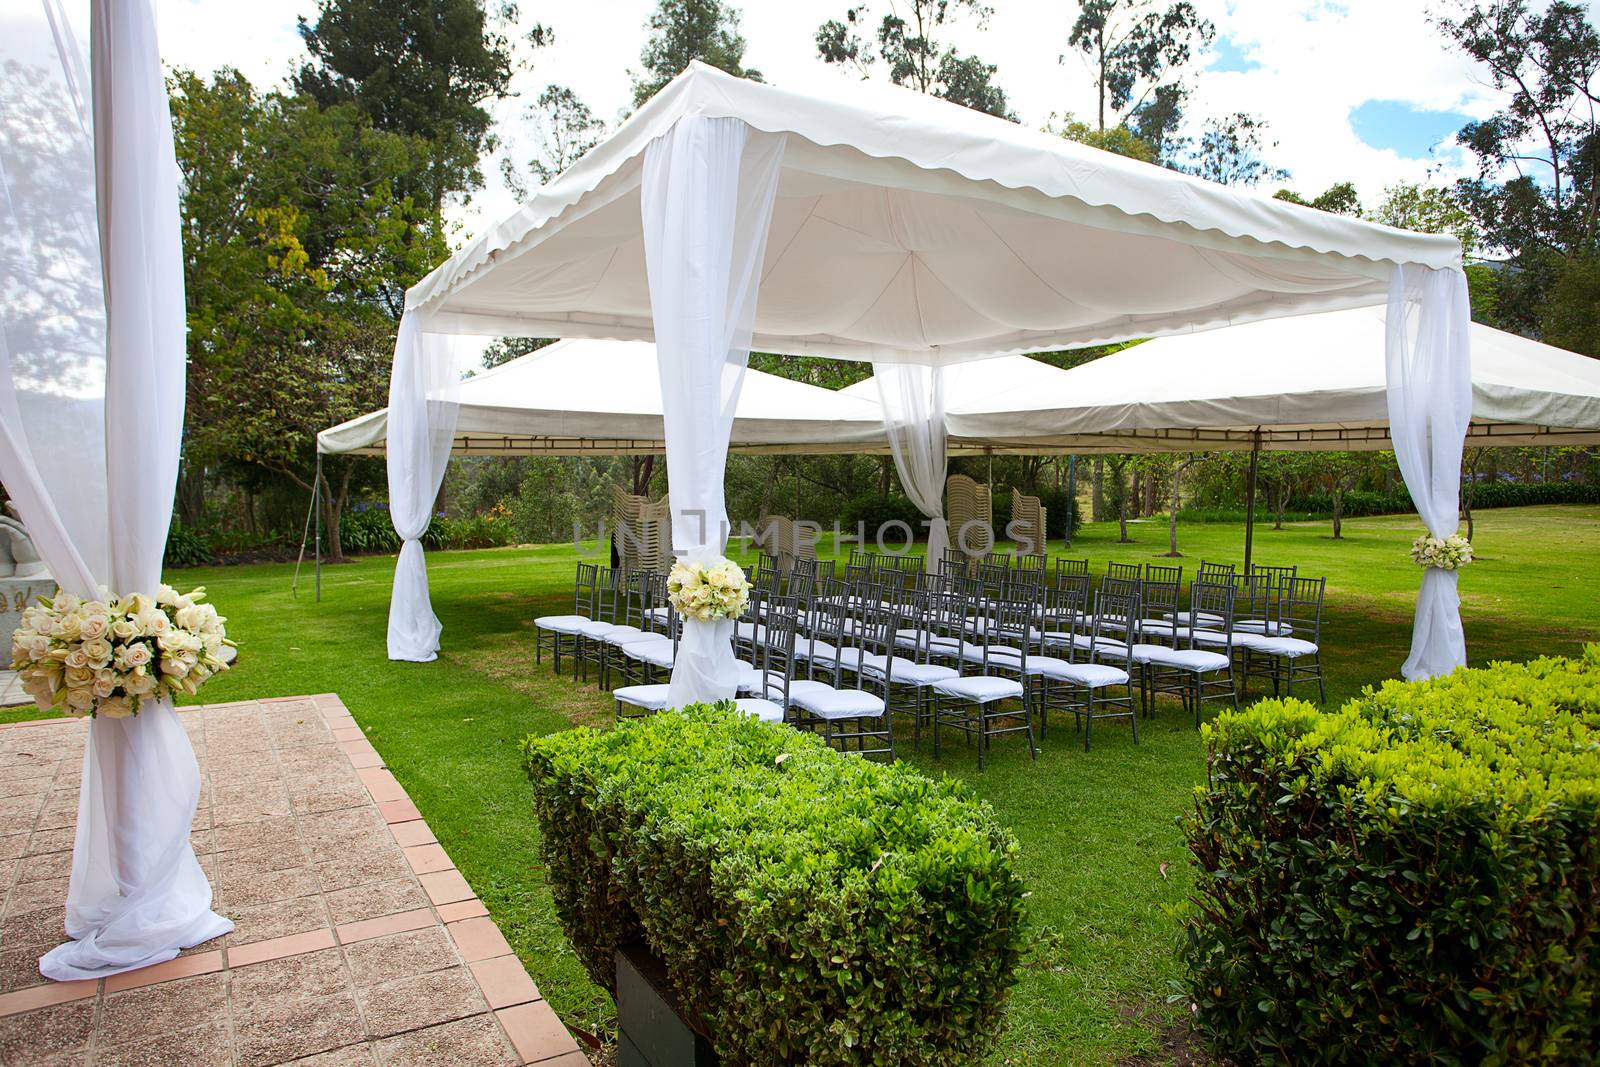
{"x": 909, "y": 228}
{"x": 591, "y": 397}
{"x": 1314, "y": 382}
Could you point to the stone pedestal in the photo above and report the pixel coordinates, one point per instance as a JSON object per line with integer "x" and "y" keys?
{"x": 651, "y": 1031}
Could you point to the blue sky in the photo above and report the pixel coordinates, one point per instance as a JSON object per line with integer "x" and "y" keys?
{"x": 1405, "y": 128}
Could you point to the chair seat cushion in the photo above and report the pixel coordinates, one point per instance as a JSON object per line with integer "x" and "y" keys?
{"x": 1285, "y": 646}
{"x": 765, "y": 710}
{"x": 649, "y": 697}
{"x": 814, "y": 648}
{"x": 980, "y": 688}
{"x": 657, "y": 614}
{"x": 1157, "y": 627}
{"x": 1263, "y": 626}
{"x": 657, "y": 653}
{"x": 1089, "y": 675}
{"x": 561, "y": 624}
{"x": 999, "y": 654}
{"x": 746, "y": 631}
{"x": 621, "y": 635}
{"x": 595, "y": 629}
{"x": 826, "y": 702}
{"x": 906, "y": 672}
{"x": 1204, "y": 618}
{"x": 1186, "y": 659}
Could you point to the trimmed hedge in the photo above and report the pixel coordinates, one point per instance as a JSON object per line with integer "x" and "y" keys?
{"x": 1358, "y": 503}
{"x": 1413, "y": 878}
{"x": 810, "y": 907}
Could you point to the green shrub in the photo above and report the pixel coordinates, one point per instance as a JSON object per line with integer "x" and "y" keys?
{"x": 367, "y": 530}
{"x": 186, "y": 548}
{"x": 1413, "y": 878}
{"x": 876, "y": 513}
{"x": 371, "y": 530}
{"x": 811, "y": 907}
{"x": 1056, "y": 514}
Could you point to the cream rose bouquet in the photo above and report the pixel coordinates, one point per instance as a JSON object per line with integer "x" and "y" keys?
{"x": 108, "y": 656}
{"x": 1446, "y": 553}
{"x": 708, "y": 591}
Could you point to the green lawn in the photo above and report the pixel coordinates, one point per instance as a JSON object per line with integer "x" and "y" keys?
{"x": 1101, "y": 851}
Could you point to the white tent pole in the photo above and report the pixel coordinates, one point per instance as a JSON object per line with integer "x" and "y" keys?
{"x": 1250, "y": 498}
{"x": 316, "y": 506}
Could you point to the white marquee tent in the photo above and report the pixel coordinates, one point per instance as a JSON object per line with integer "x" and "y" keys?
{"x": 594, "y": 397}
{"x": 882, "y": 225}
{"x": 1306, "y": 383}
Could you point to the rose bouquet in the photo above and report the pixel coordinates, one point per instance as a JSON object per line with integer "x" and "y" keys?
{"x": 108, "y": 656}
{"x": 708, "y": 591}
{"x": 1446, "y": 553}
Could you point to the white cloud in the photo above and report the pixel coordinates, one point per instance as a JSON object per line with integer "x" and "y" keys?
{"x": 1318, "y": 61}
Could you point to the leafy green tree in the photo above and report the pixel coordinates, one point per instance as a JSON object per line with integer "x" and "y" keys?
{"x": 1118, "y": 139}
{"x": 1338, "y": 199}
{"x": 915, "y": 56}
{"x": 565, "y": 128}
{"x": 1230, "y": 152}
{"x": 505, "y": 349}
{"x": 422, "y": 68}
{"x": 1431, "y": 209}
{"x": 1535, "y": 198}
{"x": 1134, "y": 50}
{"x": 685, "y": 30}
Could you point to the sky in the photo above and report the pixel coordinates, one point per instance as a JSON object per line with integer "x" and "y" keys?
{"x": 1360, "y": 90}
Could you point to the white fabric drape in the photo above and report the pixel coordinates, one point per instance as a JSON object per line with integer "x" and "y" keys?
{"x": 424, "y": 399}
{"x": 912, "y": 396}
{"x": 92, "y": 319}
{"x": 1429, "y": 367}
{"x": 706, "y": 198}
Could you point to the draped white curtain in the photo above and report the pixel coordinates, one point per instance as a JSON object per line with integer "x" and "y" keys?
{"x": 91, "y": 352}
{"x": 706, "y": 198}
{"x": 424, "y": 400}
{"x": 912, "y": 396}
{"x": 1429, "y": 366}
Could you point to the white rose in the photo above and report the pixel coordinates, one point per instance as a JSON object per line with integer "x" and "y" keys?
{"x": 153, "y": 622}
{"x": 176, "y": 666}
{"x": 114, "y": 708}
{"x": 98, "y": 651}
{"x": 94, "y": 627}
{"x": 140, "y": 683}
{"x": 103, "y": 687}
{"x": 136, "y": 655}
{"x": 190, "y": 617}
{"x": 166, "y": 595}
{"x": 77, "y": 659}
{"x": 124, "y": 629}
{"x": 66, "y": 628}
{"x": 79, "y": 701}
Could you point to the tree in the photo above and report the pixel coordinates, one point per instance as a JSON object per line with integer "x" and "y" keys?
{"x": 566, "y": 128}
{"x": 682, "y": 31}
{"x": 505, "y": 349}
{"x": 422, "y": 68}
{"x": 1430, "y": 209}
{"x": 1230, "y": 152}
{"x": 1175, "y": 472}
{"x": 1338, "y": 199}
{"x": 1118, "y": 139}
{"x": 916, "y": 58}
{"x": 1339, "y": 471}
{"x": 1536, "y": 197}
{"x": 1134, "y": 49}
{"x": 1119, "y": 494}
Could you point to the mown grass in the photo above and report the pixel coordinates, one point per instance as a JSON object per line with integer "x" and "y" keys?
{"x": 1101, "y": 851}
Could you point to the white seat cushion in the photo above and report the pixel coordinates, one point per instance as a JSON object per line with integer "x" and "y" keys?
{"x": 980, "y": 688}
{"x": 595, "y": 629}
{"x": 657, "y": 614}
{"x": 765, "y": 710}
{"x": 561, "y": 624}
{"x": 973, "y": 653}
{"x": 1185, "y": 659}
{"x": 1090, "y": 675}
{"x": 813, "y": 648}
{"x": 826, "y": 702}
{"x": 906, "y": 672}
{"x": 621, "y": 635}
{"x": 746, "y": 631}
{"x": 1262, "y": 626}
{"x": 1285, "y": 646}
{"x": 1205, "y": 618}
{"x": 1157, "y": 628}
{"x": 648, "y": 697}
{"x": 657, "y": 653}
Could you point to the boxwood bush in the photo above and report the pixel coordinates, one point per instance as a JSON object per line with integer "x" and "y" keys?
{"x": 1413, "y": 878}
{"x": 810, "y": 907}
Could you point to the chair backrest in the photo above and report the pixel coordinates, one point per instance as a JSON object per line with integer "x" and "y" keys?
{"x": 1276, "y": 575}
{"x": 775, "y": 656}
{"x": 635, "y": 598}
{"x": 1158, "y": 572}
{"x": 1212, "y": 571}
{"x": 1117, "y": 608}
{"x": 1068, "y": 602}
{"x": 1033, "y": 563}
{"x": 610, "y": 592}
{"x": 999, "y": 559}
{"x": 583, "y": 589}
{"x": 1300, "y": 606}
{"x": 875, "y": 635}
{"x": 988, "y": 622}
{"x": 1214, "y": 601}
{"x": 1254, "y": 598}
{"x": 823, "y": 569}
{"x": 1159, "y": 597}
{"x": 1124, "y": 570}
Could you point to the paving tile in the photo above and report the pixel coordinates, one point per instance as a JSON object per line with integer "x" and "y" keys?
{"x": 382, "y": 785}
{"x": 427, "y": 999}
{"x": 279, "y": 918}
{"x": 278, "y": 947}
{"x": 348, "y": 1056}
{"x": 198, "y": 963}
{"x": 478, "y": 939}
{"x": 426, "y": 859}
{"x": 202, "y": 1046}
{"x": 51, "y": 840}
{"x": 45, "y": 894}
{"x": 375, "y": 899}
{"x": 404, "y": 955}
{"x": 575, "y": 1058}
{"x": 44, "y": 928}
{"x": 366, "y": 929}
{"x": 246, "y": 890}
{"x": 461, "y": 909}
{"x": 411, "y": 833}
{"x": 280, "y": 1029}
{"x": 19, "y": 968}
{"x": 471, "y": 1042}
{"x": 536, "y": 1031}
{"x": 310, "y": 974}
{"x": 136, "y": 1014}
{"x": 38, "y": 1037}
{"x": 504, "y": 981}
{"x": 398, "y": 810}
{"x": 353, "y": 870}
{"x": 446, "y": 887}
